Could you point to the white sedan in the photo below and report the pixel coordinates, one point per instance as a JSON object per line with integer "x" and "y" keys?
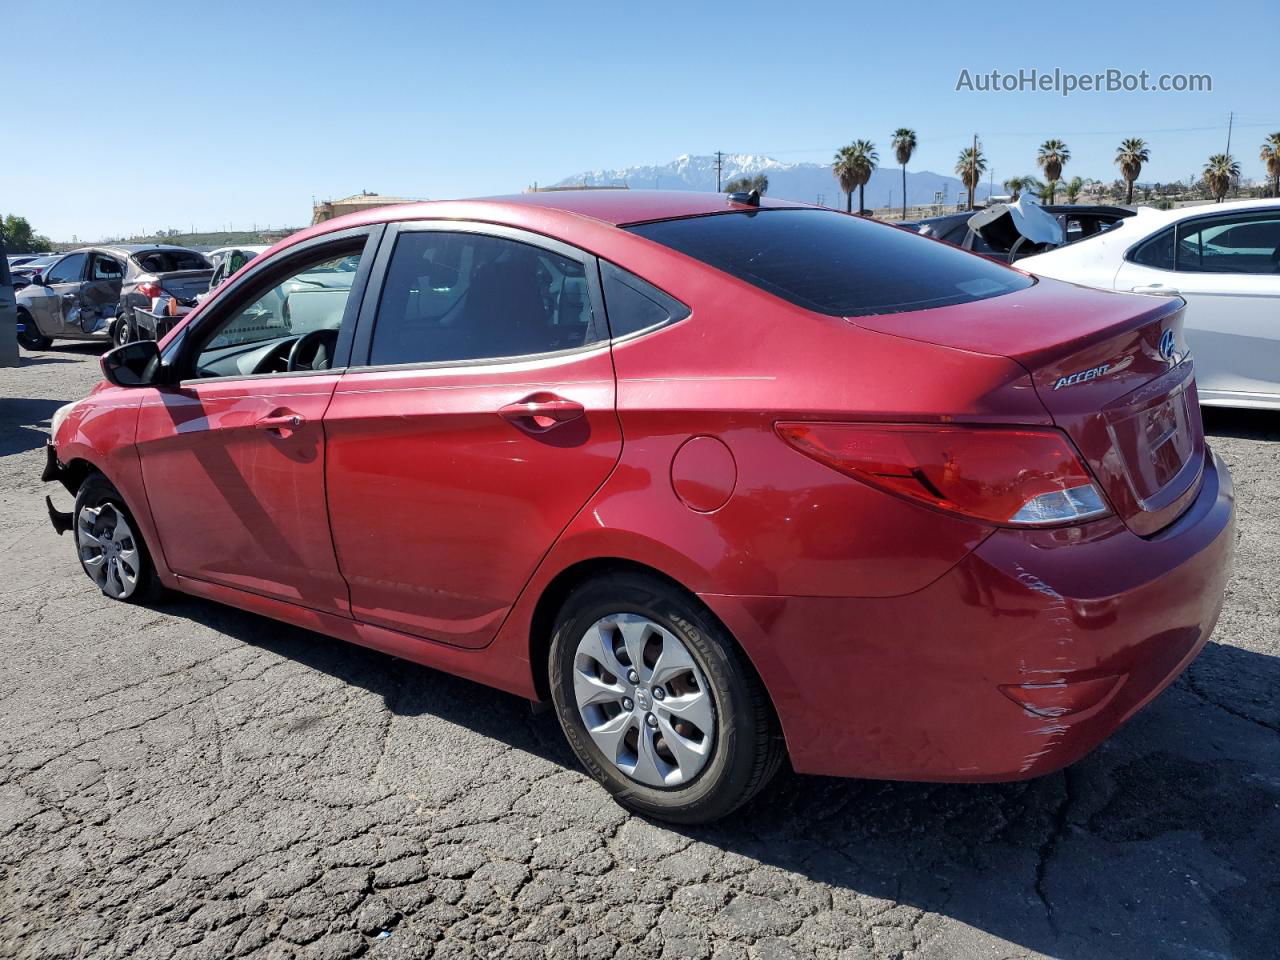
{"x": 1224, "y": 259}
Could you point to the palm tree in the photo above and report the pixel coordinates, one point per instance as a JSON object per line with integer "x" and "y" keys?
{"x": 1073, "y": 188}
{"x": 1014, "y": 185}
{"x": 1131, "y": 155}
{"x": 1270, "y": 158}
{"x": 904, "y": 145}
{"x": 844, "y": 168}
{"x": 1052, "y": 157}
{"x": 746, "y": 184}
{"x": 865, "y": 160}
{"x": 1219, "y": 173}
{"x": 970, "y": 166}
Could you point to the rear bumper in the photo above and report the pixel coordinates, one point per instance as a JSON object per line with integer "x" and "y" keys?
{"x": 1019, "y": 661}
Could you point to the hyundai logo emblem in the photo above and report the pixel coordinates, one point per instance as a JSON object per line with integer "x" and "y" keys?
{"x": 1168, "y": 348}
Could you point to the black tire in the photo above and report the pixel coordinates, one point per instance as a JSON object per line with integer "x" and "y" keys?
{"x": 121, "y": 332}
{"x": 97, "y": 492}
{"x": 747, "y": 749}
{"x": 31, "y": 337}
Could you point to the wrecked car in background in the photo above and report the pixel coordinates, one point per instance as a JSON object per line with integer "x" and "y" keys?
{"x": 227, "y": 261}
{"x": 91, "y": 293}
{"x": 1009, "y": 231}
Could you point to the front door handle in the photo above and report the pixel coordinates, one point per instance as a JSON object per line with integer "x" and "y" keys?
{"x": 540, "y": 412}
{"x": 286, "y": 420}
{"x": 1159, "y": 288}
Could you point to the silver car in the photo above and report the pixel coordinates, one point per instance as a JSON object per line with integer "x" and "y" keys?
{"x": 91, "y": 293}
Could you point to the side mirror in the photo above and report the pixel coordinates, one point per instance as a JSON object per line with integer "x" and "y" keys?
{"x": 135, "y": 364}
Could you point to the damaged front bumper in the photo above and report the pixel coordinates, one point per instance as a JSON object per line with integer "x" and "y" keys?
{"x": 53, "y": 470}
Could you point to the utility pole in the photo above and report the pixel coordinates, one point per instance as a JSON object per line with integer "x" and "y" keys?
{"x": 719, "y": 167}
{"x": 1230, "y": 121}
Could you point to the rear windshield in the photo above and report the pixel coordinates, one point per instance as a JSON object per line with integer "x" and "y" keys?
{"x": 833, "y": 263}
{"x": 166, "y": 261}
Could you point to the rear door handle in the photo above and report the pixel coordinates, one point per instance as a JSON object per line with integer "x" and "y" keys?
{"x": 540, "y": 412}
{"x": 1156, "y": 288}
{"x": 281, "y": 421}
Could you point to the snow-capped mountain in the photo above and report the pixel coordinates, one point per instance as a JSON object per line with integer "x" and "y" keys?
{"x": 805, "y": 182}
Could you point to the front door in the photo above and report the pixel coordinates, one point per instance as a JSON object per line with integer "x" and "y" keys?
{"x": 482, "y": 426}
{"x": 60, "y": 295}
{"x": 233, "y": 457}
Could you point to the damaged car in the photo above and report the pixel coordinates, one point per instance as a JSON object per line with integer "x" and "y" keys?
{"x": 729, "y": 483}
{"x": 91, "y": 293}
{"x": 1022, "y": 228}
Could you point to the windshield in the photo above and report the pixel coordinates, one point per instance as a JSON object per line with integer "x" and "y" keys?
{"x": 834, "y": 263}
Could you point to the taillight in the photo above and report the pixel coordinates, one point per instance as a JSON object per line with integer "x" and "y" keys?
{"x": 1012, "y": 476}
{"x": 149, "y": 287}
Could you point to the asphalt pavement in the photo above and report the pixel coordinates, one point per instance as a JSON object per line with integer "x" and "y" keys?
{"x": 193, "y": 781}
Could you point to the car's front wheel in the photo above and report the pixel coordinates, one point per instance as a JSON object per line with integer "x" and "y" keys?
{"x": 110, "y": 546}
{"x": 657, "y": 701}
{"x": 31, "y": 337}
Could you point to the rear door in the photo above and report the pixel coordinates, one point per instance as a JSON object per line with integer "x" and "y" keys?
{"x": 101, "y": 290}
{"x": 483, "y": 423}
{"x": 1227, "y": 267}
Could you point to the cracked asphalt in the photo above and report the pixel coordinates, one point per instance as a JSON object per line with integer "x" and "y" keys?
{"x": 193, "y": 781}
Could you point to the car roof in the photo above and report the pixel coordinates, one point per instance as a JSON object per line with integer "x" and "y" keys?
{"x": 1057, "y": 208}
{"x": 614, "y": 207}
{"x": 1205, "y": 209}
{"x": 132, "y": 249}
{"x": 554, "y": 212}
{"x": 621, "y": 207}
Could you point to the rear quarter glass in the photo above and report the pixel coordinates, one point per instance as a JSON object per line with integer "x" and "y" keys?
{"x": 833, "y": 263}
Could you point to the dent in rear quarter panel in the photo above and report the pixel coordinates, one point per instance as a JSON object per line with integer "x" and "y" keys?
{"x": 101, "y": 432}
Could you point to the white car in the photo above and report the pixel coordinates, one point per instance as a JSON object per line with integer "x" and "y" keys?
{"x": 1224, "y": 259}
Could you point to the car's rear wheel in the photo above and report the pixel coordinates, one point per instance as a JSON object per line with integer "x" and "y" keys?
{"x": 110, "y": 546}
{"x": 31, "y": 337}
{"x": 657, "y": 701}
{"x": 121, "y": 332}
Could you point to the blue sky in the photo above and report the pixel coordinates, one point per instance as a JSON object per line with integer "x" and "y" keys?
{"x": 126, "y": 117}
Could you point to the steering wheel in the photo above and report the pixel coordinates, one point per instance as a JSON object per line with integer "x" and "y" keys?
{"x": 310, "y": 348}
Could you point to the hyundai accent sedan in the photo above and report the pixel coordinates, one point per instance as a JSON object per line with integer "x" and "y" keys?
{"x": 727, "y": 481}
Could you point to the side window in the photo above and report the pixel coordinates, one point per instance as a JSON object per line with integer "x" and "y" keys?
{"x": 1232, "y": 244}
{"x": 67, "y": 270}
{"x": 1156, "y": 252}
{"x": 104, "y": 268}
{"x": 259, "y": 333}
{"x": 468, "y": 296}
{"x": 633, "y": 304}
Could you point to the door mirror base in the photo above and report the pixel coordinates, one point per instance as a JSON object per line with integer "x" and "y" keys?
{"x": 136, "y": 364}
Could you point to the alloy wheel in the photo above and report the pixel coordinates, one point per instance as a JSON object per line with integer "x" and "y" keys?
{"x": 645, "y": 702}
{"x": 108, "y": 549}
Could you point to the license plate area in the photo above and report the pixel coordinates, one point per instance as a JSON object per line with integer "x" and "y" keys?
{"x": 1157, "y": 434}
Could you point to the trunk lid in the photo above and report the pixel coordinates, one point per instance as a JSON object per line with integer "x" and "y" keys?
{"x": 1112, "y": 369}
{"x": 185, "y": 285}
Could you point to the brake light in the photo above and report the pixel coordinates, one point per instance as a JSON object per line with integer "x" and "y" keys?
{"x": 149, "y": 287}
{"x": 1008, "y": 476}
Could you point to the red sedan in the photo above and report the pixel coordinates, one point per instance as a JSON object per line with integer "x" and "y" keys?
{"x": 726, "y": 481}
